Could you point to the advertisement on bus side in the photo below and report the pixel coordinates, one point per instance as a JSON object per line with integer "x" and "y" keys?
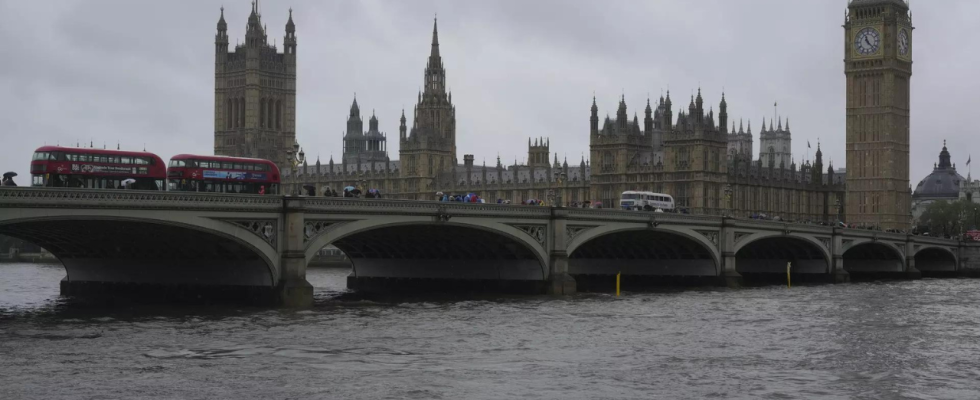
{"x": 236, "y": 175}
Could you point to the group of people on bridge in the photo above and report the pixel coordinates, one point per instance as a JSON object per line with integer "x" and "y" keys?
{"x": 349, "y": 191}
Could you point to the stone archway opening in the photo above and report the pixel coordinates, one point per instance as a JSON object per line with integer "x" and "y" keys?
{"x": 644, "y": 257}
{"x": 327, "y": 271}
{"x": 148, "y": 261}
{"x": 440, "y": 258}
{"x": 935, "y": 262}
{"x": 765, "y": 261}
{"x": 873, "y": 260}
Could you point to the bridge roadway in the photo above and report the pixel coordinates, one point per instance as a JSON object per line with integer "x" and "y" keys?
{"x": 112, "y": 240}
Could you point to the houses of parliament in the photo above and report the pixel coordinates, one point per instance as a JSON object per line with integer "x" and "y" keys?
{"x": 704, "y": 160}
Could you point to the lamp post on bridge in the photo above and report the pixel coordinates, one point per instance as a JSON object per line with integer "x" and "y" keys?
{"x": 295, "y": 157}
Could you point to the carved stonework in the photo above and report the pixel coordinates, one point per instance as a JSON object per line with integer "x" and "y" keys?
{"x": 538, "y": 232}
{"x": 825, "y": 241}
{"x": 265, "y": 229}
{"x": 917, "y": 247}
{"x": 741, "y": 235}
{"x": 846, "y": 242}
{"x": 314, "y": 228}
{"x": 712, "y": 236}
{"x": 573, "y": 230}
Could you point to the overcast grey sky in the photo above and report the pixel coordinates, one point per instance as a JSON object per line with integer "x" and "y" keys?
{"x": 142, "y": 71}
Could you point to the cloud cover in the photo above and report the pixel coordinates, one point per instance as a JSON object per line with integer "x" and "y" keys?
{"x": 141, "y": 72}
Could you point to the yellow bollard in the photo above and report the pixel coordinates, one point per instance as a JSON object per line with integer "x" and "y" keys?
{"x": 788, "y": 284}
{"x": 617, "y": 283}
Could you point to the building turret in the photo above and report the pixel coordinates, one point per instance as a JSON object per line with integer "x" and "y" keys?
{"x": 594, "y": 120}
{"x": 817, "y": 166}
{"x": 668, "y": 113}
{"x": 723, "y": 115}
{"x": 699, "y": 108}
{"x": 373, "y": 123}
{"x": 648, "y": 119}
{"x": 221, "y": 39}
{"x": 622, "y": 120}
{"x": 254, "y": 32}
{"x": 402, "y": 127}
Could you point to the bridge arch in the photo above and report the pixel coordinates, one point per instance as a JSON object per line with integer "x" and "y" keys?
{"x": 872, "y": 256}
{"x": 149, "y": 247}
{"x": 423, "y": 247}
{"x": 768, "y": 253}
{"x": 640, "y": 249}
{"x": 935, "y": 260}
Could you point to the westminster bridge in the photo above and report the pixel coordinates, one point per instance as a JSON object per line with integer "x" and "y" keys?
{"x": 261, "y": 245}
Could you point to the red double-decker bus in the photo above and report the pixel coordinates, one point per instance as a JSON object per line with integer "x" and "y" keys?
{"x": 76, "y": 167}
{"x": 188, "y": 172}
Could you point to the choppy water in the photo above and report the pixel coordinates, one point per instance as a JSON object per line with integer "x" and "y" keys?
{"x": 899, "y": 340}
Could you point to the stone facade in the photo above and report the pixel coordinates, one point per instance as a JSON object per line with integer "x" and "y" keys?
{"x": 360, "y": 146}
{"x": 776, "y": 145}
{"x": 255, "y": 93}
{"x": 692, "y": 167}
{"x": 878, "y": 67}
{"x": 694, "y": 158}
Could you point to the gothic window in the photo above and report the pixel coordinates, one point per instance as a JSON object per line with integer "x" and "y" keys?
{"x": 278, "y": 114}
{"x": 241, "y": 112}
{"x": 262, "y": 113}
{"x": 234, "y": 112}
{"x": 227, "y": 113}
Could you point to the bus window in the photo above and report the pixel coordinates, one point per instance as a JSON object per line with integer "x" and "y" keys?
{"x": 225, "y": 165}
{"x": 126, "y": 160}
{"x": 250, "y": 167}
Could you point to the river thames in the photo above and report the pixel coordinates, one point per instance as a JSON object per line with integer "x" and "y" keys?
{"x": 879, "y": 340}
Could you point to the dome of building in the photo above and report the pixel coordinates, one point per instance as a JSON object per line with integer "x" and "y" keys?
{"x": 943, "y": 182}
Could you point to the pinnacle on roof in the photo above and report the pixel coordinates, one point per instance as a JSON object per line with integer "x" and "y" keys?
{"x": 222, "y": 25}
{"x": 290, "y": 26}
{"x": 435, "y": 39}
{"x": 355, "y": 111}
{"x": 787, "y": 124}
{"x": 763, "y": 124}
{"x": 780, "y": 124}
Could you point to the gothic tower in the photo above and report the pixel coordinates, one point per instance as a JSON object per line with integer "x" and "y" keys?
{"x": 878, "y": 67}
{"x": 428, "y": 152}
{"x": 360, "y": 146}
{"x": 255, "y": 93}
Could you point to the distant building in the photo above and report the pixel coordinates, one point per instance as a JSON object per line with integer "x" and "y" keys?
{"x": 944, "y": 183}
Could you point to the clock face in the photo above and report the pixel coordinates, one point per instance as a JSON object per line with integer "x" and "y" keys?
{"x": 903, "y": 42}
{"x": 867, "y": 40}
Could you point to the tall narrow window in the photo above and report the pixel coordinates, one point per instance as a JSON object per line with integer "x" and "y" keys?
{"x": 278, "y": 114}
{"x": 241, "y": 111}
{"x": 262, "y": 113}
{"x": 234, "y": 112}
{"x": 227, "y": 113}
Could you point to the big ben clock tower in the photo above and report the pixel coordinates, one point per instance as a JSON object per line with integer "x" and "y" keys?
{"x": 878, "y": 66}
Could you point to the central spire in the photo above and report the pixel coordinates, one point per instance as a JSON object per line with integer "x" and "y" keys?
{"x": 435, "y": 39}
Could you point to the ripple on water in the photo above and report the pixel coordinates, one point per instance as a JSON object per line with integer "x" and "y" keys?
{"x": 867, "y": 340}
